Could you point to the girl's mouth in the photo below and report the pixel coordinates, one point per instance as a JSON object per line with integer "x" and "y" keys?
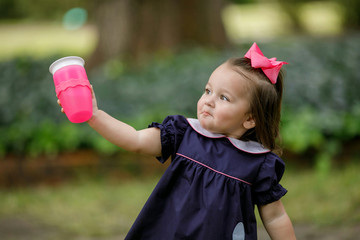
{"x": 205, "y": 113}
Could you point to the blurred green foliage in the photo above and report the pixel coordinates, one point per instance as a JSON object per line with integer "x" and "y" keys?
{"x": 321, "y": 105}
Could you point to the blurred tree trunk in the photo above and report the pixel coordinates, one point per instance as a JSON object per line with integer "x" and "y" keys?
{"x": 352, "y": 13}
{"x": 131, "y": 29}
{"x": 291, "y": 8}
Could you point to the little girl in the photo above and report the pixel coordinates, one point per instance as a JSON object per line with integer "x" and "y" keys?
{"x": 222, "y": 164}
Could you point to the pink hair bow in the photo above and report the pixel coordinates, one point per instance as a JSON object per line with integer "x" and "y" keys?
{"x": 269, "y": 66}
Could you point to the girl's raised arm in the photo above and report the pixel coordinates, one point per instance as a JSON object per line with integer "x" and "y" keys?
{"x": 146, "y": 141}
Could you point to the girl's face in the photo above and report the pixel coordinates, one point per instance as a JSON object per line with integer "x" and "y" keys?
{"x": 224, "y": 106}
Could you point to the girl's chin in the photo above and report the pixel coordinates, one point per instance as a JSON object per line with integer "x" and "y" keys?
{"x": 206, "y": 125}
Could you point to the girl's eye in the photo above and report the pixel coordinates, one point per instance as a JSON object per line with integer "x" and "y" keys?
{"x": 207, "y": 91}
{"x": 223, "y": 97}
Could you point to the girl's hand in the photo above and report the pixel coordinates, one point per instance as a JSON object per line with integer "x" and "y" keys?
{"x": 58, "y": 102}
{"x": 94, "y": 103}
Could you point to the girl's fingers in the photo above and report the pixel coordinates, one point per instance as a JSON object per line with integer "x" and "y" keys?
{"x": 58, "y": 102}
{"x": 92, "y": 91}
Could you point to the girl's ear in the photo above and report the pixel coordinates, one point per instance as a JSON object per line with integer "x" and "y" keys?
{"x": 249, "y": 123}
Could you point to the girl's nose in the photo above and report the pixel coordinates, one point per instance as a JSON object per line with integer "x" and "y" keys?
{"x": 209, "y": 101}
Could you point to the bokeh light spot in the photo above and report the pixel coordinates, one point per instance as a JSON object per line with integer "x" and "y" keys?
{"x": 75, "y": 18}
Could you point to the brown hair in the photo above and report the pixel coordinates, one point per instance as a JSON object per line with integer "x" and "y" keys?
{"x": 265, "y": 103}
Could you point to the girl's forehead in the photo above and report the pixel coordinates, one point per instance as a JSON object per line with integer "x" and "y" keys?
{"x": 226, "y": 72}
{"x": 228, "y": 78}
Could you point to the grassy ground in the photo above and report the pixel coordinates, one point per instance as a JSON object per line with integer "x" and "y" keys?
{"x": 329, "y": 200}
{"x": 85, "y": 208}
{"x": 104, "y": 208}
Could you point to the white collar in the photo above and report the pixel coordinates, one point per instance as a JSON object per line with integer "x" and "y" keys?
{"x": 248, "y": 146}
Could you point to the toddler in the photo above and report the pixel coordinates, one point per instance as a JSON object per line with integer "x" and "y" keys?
{"x": 222, "y": 163}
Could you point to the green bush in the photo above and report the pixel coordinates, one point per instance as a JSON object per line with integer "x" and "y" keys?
{"x": 321, "y": 102}
{"x": 31, "y": 122}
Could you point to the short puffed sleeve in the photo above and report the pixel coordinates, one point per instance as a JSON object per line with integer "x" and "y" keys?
{"x": 172, "y": 131}
{"x": 266, "y": 188}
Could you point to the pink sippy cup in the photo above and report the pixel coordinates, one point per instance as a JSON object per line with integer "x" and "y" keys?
{"x": 72, "y": 87}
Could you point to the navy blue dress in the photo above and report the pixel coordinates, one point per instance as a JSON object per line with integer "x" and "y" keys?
{"x": 210, "y": 188}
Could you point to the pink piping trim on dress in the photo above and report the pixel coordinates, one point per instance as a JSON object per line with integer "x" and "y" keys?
{"x": 204, "y": 165}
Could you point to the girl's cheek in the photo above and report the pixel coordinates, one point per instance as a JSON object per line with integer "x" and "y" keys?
{"x": 200, "y": 102}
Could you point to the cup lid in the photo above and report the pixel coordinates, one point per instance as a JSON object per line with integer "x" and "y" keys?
{"x": 66, "y": 61}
